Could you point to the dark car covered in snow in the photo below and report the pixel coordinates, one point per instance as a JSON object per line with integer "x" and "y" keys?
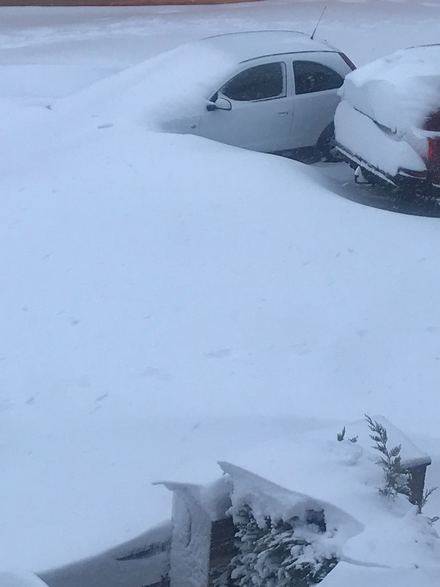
{"x": 388, "y": 122}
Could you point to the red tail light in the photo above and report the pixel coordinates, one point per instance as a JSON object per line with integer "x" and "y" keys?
{"x": 434, "y": 159}
{"x": 348, "y": 61}
{"x": 432, "y": 124}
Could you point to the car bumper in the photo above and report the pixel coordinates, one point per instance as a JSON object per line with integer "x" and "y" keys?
{"x": 404, "y": 177}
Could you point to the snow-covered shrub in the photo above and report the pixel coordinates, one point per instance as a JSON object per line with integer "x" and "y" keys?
{"x": 340, "y": 436}
{"x": 396, "y": 477}
{"x": 278, "y": 554}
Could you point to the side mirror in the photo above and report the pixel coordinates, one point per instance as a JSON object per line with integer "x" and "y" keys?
{"x": 219, "y": 104}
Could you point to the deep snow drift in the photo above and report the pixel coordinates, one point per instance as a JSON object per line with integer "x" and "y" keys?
{"x": 168, "y": 301}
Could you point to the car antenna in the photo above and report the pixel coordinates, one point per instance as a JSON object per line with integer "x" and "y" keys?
{"x": 319, "y": 22}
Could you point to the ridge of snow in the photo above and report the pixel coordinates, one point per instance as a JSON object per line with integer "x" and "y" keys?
{"x": 267, "y": 499}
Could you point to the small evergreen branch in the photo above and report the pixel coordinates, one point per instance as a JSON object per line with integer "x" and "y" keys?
{"x": 426, "y": 495}
{"x": 396, "y": 478}
{"x": 341, "y": 435}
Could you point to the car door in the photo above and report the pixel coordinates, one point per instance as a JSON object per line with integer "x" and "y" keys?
{"x": 260, "y": 114}
{"x": 317, "y": 78}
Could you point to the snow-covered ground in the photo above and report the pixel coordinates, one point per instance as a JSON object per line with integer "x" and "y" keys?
{"x": 167, "y": 301}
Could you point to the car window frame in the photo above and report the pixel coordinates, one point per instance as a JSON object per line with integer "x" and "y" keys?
{"x": 329, "y": 66}
{"x": 284, "y": 68}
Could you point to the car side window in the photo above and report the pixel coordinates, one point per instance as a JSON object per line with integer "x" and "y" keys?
{"x": 315, "y": 77}
{"x": 261, "y": 82}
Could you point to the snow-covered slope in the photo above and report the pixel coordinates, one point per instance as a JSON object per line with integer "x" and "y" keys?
{"x": 168, "y": 301}
{"x": 20, "y": 580}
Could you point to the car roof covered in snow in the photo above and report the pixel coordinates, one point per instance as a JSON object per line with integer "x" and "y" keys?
{"x": 245, "y": 46}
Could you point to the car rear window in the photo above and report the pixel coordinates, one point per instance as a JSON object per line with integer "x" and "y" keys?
{"x": 313, "y": 77}
{"x": 261, "y": 82}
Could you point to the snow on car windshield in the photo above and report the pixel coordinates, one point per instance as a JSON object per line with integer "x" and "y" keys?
{"x": 399, "y": 91}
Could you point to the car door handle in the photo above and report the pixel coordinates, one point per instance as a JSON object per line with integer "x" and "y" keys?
{"x": 283, "y": 113}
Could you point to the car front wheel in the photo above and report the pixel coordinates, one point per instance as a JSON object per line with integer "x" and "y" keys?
{"x": 325, "y": 147}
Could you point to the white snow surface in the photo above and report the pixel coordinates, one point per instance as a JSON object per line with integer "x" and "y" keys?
{"x": 267, "y": 499}
{"x": 168, "y": 301}
{"x": 20, "y": 580}
{"x": 354, "y": 576}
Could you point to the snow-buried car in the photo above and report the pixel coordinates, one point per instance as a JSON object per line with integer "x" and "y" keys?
{"x": 276, "y": 91}
{"x": 388, "y": 122}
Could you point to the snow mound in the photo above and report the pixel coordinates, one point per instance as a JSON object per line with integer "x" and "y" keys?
{"x": 411, "y": 454}
{"x": 172, "y": 85}
{"x": 357, "y": 576}
{"x": 20, "y": 580}
{"x": 398, "y": 91}
{"x": 268, "y": 499}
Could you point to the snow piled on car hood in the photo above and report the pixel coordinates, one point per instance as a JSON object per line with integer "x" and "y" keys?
{"x": 398, "y": 91}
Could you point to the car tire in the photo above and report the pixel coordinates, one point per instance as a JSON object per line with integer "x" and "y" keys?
{"x": 325, "y": 147}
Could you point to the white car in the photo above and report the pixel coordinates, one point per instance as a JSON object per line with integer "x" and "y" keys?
{"x": 281, "y": 96}
{"x": 388, "y": 122}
